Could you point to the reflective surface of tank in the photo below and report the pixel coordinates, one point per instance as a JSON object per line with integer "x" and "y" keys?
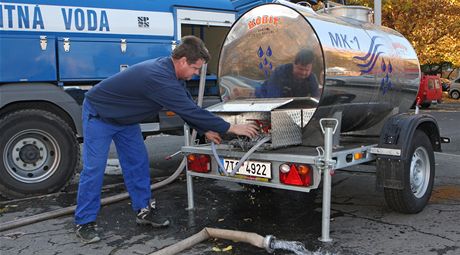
{"x": 338, "y": 66}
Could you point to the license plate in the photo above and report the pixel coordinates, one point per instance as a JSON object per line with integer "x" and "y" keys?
{"x": 250, "y": 168}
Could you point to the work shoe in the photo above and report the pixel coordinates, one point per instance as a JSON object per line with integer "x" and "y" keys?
{"x": 88, "y": 232}
{"x": 149, "y": 216}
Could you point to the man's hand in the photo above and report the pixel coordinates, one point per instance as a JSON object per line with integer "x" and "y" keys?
{"x": 249, "y": 130}
{"x": 213, "y": 136}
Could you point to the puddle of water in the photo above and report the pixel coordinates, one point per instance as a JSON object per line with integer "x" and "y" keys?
{"x": 442, "y": 193}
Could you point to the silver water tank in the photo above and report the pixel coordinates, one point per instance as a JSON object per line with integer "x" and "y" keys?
{"x": 365, "y": 73}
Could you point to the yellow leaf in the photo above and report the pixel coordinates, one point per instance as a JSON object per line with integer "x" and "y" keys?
{"x": 228, "y": 248}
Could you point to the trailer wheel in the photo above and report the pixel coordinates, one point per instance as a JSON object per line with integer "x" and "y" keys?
{"x": 40, "y": 153}
{"x": 418, "y": 177}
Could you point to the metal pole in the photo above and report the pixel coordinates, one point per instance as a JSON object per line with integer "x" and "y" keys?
{"x": 202, "y": 84}
{"x": 190, "y": 139}
{"x": 329, "y": 127}
{"x": 378, "y": 12}
{"x": 189, "y": 178}
{"x": 327, "y": 186}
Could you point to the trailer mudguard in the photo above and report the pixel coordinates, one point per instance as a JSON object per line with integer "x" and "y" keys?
{"x": 397, "y": 134}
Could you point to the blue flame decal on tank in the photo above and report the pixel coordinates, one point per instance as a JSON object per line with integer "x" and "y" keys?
{"x": 371, "y": 56}
{"x": 370, "y": 49}
{"x": 370, "y": 59}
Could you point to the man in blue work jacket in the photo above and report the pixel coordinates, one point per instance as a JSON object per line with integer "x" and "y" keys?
{"x": 292, "y": 79}
{"x": 113, "y": 109}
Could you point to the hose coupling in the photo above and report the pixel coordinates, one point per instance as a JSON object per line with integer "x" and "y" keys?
{"x": 268, "y": 243}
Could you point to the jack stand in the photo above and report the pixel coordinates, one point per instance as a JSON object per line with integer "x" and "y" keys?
{"x": 190, "y": 203}
{"x": 328, "y": 127}
{"x": 190, "y": 139}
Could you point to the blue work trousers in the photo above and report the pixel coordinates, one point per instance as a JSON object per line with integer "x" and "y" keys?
{"x": 133, "y": 157}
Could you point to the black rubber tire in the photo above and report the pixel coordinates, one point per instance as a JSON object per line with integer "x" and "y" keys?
{"x": 455, "y": 94}
{"x": 425, "y": 105}
{"x": 40, "y": 153}
{"x": 405, "y": 201}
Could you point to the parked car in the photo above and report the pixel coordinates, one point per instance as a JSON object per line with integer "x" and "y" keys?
{"x": 430, "y": 91}
{"x": 445, "y": 84}
{"x": 454, "y": 90}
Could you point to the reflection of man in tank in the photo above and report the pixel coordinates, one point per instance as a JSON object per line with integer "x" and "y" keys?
{"x": 292, "y": 80}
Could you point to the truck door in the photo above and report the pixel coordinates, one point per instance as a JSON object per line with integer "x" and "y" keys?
{"x": 437, "y": 90}
{"x": 211, "y": 26}
{"x": 431, "y": 92}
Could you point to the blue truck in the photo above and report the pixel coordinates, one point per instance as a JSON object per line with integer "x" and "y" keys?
{"x": 54, "y": 51}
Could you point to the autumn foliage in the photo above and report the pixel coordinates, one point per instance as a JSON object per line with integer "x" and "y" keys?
{"x": 432, "y": 26}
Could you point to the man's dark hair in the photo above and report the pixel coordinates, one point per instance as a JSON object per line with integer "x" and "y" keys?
{"x": 304, "y": 57}
{"x": 192, "y": 48}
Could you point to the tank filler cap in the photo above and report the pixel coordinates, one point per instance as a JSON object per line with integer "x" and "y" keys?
{"x": 361, "y": 13}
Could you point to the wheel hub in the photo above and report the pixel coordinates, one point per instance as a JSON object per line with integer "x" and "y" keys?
{"x": 32, "y": 156}
{"x": 29, "y": 153}
{"x": 419, "y": 172}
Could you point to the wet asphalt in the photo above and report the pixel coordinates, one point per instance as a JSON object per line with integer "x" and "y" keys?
{"x": 361, "y": 223}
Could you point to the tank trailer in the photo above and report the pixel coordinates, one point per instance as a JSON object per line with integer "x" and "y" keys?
{"x": 367, "y": 77}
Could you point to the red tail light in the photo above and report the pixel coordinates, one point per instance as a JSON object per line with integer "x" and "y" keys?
{"x": 298, "y": 175}
{"x": 199, "y": 163}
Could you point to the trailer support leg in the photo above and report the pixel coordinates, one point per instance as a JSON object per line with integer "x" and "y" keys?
{"x": 190, "y": 203}
{"x": 328, "y": 127}
{"x": 190, "y": 139}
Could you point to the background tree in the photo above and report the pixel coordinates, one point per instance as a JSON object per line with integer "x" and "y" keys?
{"x": 432, "y": 27}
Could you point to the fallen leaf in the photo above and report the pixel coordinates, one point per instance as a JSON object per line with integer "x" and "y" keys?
{"x": 228, "y": 248}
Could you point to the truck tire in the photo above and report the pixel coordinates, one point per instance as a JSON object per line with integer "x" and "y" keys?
{"x": 455, "y": 94}
{"x": 419, "y": 172}
{"x": 40, "y": 155}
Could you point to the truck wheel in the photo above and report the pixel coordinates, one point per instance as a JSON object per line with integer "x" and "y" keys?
{"x": 40, "y": 153}
{"x": 418, "y": 177}
{"x": 455, "y": 94}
